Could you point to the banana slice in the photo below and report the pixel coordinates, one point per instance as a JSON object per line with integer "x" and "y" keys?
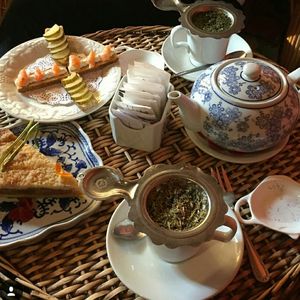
{"x": 82, "y": 93}
{"x": 50, "y": 32}
{"x": 57, "y": 44}
{"x": 71, "y": 78}
{"x": 79, "y": 91}
{"x": 58, "y": 49}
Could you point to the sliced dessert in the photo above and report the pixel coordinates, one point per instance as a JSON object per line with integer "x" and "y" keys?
{"x": 32, "y": 174}
{"x": 29, "y": 79}
{"x": 80, "y": 63}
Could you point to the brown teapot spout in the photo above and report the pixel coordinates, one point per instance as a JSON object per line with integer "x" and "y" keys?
{"x": 189, "y": 110}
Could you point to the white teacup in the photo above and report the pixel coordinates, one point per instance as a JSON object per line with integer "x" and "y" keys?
{"x": 201, "y": 50}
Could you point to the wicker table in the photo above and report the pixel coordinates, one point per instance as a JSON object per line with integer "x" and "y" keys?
{"x": 73, "y": 264}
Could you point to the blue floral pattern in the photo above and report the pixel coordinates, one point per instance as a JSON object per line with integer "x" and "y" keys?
{"x": 244, "y": 129}
{"x": 23, "y": 218}
{"x": 233, "y": 82}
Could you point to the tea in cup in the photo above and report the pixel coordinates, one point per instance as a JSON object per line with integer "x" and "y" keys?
{"x": 207, "y": 27}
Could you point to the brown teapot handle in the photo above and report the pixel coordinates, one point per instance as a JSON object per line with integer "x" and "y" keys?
{"x": 228, "y": 235}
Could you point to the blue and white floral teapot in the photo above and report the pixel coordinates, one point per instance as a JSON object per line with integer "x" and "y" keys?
{"x": 242, "y": 104}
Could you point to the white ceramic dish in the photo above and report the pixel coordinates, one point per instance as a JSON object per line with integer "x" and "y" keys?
{"x": 25, "y": 220}
{"x": 25, "y": 106}
{"x": 202, "y": 276}
{"x": 274, "y": 203}
{"x": 177, "y": 59}
{"x": 230, "y": 156}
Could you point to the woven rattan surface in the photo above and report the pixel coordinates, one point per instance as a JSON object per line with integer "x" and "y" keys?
{"x": 73, "y": 264}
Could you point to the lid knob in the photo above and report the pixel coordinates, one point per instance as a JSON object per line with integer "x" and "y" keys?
{"x": 251, "y": 71}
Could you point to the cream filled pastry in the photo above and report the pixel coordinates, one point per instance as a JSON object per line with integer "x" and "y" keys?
{"x": 29, "y": 79}
{"x": 80, "y": 62}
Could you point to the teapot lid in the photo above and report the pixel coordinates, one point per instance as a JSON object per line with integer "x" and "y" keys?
{"x": 249, "y": 82}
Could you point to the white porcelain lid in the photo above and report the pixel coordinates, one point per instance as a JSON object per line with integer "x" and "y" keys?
{"x": 249, "y": 82}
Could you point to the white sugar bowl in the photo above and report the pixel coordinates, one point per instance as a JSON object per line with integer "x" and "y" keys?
{"x": 243, "y": 104}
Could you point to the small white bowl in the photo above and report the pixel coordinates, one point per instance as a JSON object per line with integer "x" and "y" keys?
{"x": 274, "y": 203}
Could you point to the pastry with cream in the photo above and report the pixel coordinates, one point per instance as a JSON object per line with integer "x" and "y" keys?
{"x": 28, "y": 79}
{"x": 80, "y": 63}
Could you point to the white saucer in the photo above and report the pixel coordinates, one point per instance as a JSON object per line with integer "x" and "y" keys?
{"x": 231, "y": 156}
{"x": 177, "y": 59}
{"x": 150, "y": 277}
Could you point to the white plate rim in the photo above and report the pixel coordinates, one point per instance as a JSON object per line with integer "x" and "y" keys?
{"x": 25, "y": 109}
{"x": 120, "y": 213}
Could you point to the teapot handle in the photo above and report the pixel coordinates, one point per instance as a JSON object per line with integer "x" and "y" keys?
{"x": 294, "y": 76}
{"x": 105, "y": 183}
{"x": 228, "y": 235}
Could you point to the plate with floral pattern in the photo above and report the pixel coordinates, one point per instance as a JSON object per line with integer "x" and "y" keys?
{"x": 51, "y": 104}
{"x": 23, "y": 220}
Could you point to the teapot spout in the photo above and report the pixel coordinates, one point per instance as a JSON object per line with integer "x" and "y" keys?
{"x": 189, "y": 110}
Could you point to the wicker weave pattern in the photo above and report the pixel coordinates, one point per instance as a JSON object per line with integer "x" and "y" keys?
{"x": 290, "y": 54}
{"x": 73, "y": 264}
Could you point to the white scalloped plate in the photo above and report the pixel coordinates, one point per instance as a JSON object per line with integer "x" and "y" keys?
{"x": 25, "y": 220}
{"x": 24, "y": 107}
{"x": 200, "y": 277}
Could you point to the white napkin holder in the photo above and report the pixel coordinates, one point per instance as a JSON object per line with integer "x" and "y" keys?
{"x": 145, "y": 139}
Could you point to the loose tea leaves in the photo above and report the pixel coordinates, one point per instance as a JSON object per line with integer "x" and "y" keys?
{"x": 177, "y": 205}
{"x": 212, "y": 21}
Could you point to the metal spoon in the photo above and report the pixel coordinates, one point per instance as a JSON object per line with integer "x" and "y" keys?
{"x": 170, "y": 5}
{"x": 125, "y": 230}
{"x": 235, "y": 54}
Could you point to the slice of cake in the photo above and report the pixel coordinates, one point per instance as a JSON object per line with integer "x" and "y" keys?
{"x": 33, "y": 174}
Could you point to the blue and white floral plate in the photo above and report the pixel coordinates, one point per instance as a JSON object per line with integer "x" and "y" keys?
{"x": 24, "y": 220}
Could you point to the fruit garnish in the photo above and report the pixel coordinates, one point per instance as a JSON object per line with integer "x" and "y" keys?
{"x": 38, "y": 74}
{"x": 60, "y": 171}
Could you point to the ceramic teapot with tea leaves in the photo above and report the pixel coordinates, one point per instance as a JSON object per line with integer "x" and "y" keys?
{"x": 243, "y": 104}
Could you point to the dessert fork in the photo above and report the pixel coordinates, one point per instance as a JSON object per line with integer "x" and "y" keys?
{"x": 8, "y": 154}
{"x": 259, "y": 269}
